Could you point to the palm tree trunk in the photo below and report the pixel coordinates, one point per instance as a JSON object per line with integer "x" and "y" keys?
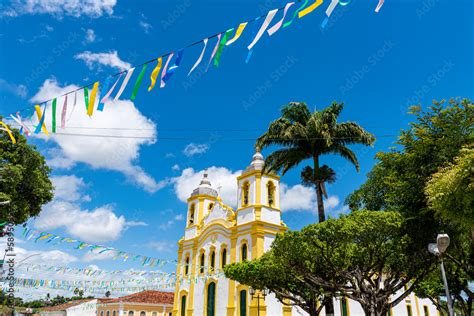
{"x": 319, "y": 191}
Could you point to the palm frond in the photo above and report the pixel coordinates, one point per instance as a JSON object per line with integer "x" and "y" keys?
{"x": 345, "y": 153}
{"x": 285, "y": 159}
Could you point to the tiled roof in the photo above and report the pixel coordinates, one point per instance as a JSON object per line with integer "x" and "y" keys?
{"x": 146, "y": 297}
{"x": 64, "y": 306}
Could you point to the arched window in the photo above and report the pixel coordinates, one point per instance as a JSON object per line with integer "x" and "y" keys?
{"x": 243, "y": 303}
{"x": 201, "y": 263}
{"x": 186, "y": 266}
{"x": 102, "y": 313}
{"x": 344, "y": 307}
{"x": 114, "y": 313}
{"x": 271, "y": 193}
{"x": 131, "y": 313}
{"x": 183, "y": 305}
{"x": 154, "y": 314}
{"x": 223, "y": 258}
{"x": 211, "y": 299}
{"x": 245, "y": 194}
{"x": 108, "y": 313}
{"x": 142, "y": 314}
{"x": 213, "y": 260}
{"x": 191, "y": 214}
{"x": 243, "y": 251}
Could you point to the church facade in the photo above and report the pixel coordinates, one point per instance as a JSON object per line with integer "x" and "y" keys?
{"x": 216, "y": 235}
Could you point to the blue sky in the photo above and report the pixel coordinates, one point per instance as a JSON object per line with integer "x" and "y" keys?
{"x": 128, "y": 193}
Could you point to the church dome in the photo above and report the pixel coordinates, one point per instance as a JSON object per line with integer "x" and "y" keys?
{"x": 204, "y": 187}
{"x": 257, "y": 161}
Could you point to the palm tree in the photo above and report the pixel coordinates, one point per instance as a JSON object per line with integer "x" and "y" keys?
{"x": 309, "y": 135}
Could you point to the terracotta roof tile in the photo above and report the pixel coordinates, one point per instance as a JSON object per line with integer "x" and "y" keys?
{"x": 147, "y": 297}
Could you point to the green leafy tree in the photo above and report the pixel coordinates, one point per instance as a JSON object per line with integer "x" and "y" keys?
{"x": 306, "y": 135}
{"x": 450, "y": 191}
{"x": 24, "y": 179}
{"x": 428, "y": 179}
{"x": 364, "y": 256}
{"x": 275, "y": 274}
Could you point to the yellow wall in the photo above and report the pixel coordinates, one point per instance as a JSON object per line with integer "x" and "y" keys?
{"x": 136, "y": 308}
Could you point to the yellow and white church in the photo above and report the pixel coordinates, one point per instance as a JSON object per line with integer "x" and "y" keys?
{"x": 216, "y": 235}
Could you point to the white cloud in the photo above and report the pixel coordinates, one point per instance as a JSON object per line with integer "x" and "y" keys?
{"x": 90, "y": 36}
{"x": 49, "y": 28}
{"x": 96, "y": 60}
{"x": 301, "y": 198}
{"x": 175, "y": 167}
{"x": 136, "y": 223}
{"x": 145, "y": 26}
{"x": 219, "y": 177}
{"x": 68, "y": 188}
{"x": 60, "y": 8}
{"x": 195, "y": 149}
{"x": 18, "y": 90}
{"x": 110, "y": 146}
{"x": 98, "y": 225}
{"x": 179, "y": 217}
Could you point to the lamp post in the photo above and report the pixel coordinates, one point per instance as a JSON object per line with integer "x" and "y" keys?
{"x": 256, "y": 294}
{"x": 438, "y": 248}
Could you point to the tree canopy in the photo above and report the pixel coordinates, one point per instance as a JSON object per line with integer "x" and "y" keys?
{"x": 24, "y": 179}
{"x": 428, "y": 179}
{"x": 364, "y": 256}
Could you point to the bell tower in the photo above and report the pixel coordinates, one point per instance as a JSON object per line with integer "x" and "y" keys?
{"x": 200, "y": 203}
{"x": 258, "y": 194}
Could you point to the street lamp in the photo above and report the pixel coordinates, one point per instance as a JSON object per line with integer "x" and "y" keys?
{"x": 256, "y": 294}
{"x": 438, "y": 248}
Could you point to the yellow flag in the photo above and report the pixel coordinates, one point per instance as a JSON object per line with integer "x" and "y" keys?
{"x": 38, "y": 113}
{"x": 90, "y": 108}
{"x": 310, "y": 9}
{"x": 9, "y": 132}
{"x": 154, "y": 74}
{"x": 239, "y": 31}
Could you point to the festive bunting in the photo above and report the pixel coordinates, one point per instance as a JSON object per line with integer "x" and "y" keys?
{"x": 41, "y": 117}
{"x": 154, "y": 74}
{"x": 29, "y": 234}
{"x": 223, "y": 39}
{"x": 9, "y": 132}
{"x": 163, "y": 73}
{"x": 100, "y": 107}
{"x": 138, "y": 82}
{"x": 90, "y": 108}
{"x": 286, "y": 24}
{"x": 221, "y": 47}
{"x": 198, "y": 61}
{"x": 278, "y": 25}
{"x": 214, "y": 51}
{"x": 171, "y": 70}
{"x": 53, "y": 116}
{"x": 310, "y": 9}
{"x": 86, "y": 98}
{"x": 266, "y": 22}
{"x": 63, "y": 113}
{"x": 379, "y": 6}
{"x": 124, "y": 83}
{"x": 239, "y": 31}
{"x": 19, "y": 121}
{"x": 105, "y": 98}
